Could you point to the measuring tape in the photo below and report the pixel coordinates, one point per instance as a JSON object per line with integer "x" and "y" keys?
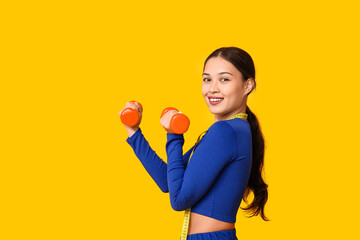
{"x": 187, "y": 211}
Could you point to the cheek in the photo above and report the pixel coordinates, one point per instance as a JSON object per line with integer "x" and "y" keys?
{"x": 203, "y": 90}
{"x": 229, "y": 90}
{"x": 232, "y": 92}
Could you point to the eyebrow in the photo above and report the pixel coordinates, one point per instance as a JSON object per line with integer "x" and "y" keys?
{"x": 219, "y": 73}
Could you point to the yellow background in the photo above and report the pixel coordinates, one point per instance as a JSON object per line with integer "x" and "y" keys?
{"x": 69, "y": 67}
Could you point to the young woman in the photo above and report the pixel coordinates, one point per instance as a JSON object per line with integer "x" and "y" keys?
{"x": 225, "y": 164}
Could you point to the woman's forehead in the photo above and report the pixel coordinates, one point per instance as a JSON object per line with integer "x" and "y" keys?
{"x": 218, "y": 65}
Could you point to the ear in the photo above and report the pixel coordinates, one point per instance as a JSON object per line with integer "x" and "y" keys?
{"x": 249, "y": 85}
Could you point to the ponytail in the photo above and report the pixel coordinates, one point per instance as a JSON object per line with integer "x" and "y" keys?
{"x": 256, "y": 184}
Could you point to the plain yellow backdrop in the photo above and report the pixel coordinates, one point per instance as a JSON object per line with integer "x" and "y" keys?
{"x": 68, "y": 68}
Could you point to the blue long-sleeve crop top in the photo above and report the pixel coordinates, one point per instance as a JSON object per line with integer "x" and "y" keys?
{"x": 213, "y": 182}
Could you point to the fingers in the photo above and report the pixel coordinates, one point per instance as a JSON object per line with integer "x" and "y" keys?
{"x": 168, "y": 115}
{"x": 133, "y": 105}
{"x": 137, "y": 106}
{"x": 166, "y": 119}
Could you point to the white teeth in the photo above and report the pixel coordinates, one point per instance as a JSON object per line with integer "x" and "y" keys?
{"x": 215, "y": 99}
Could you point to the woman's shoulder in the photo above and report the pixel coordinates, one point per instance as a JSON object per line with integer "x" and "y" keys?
{"x": 235, "y": 126}
{"x": 236, "y": 129}
{"x": 233, "y": 134}
{"x": 229, "y": 128}
{"x": 219, "y": 130}
{"x": 219, "y": 127}
{"x": 241, "y": 129}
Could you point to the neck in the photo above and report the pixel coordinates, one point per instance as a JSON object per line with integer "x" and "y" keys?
{"x": 230, "y": 114}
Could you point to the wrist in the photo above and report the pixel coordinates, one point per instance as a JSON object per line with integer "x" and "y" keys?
{"x": 131, "y": 131}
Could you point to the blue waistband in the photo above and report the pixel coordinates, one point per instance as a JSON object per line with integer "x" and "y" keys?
{"x": 218, "y": 235}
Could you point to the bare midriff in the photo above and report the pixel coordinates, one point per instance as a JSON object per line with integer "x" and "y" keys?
{"x": 201, "y": 224}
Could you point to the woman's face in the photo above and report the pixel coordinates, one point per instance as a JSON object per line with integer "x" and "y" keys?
{"x": 223, "y": 88}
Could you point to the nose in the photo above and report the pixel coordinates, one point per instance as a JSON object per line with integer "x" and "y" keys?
{"x": 213, "y": 87}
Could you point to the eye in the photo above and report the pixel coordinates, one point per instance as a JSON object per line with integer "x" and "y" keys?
{"x": 206, "y": 79}
{"x": 225, "y": 79}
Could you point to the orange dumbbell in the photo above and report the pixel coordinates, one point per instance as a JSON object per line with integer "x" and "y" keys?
{"x": 129, "y": 116}
{"x": 179, "y": 123}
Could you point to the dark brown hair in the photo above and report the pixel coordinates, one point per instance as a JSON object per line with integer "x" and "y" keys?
{"x": 244, "y": 63}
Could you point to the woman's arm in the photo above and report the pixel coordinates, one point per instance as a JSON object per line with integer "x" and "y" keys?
{"x": 213, "y": 153}
{"x": 153, "y": 164}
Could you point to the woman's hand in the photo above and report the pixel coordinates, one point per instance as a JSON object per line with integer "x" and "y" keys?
{"x": 165, "y": 120}
{"x": 136, "y": 106}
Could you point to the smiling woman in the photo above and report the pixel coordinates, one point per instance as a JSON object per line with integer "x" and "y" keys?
{"x": 225, "y": 87}
{"x": 226, "y": 163}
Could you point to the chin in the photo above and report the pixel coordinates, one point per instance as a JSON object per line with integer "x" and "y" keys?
{"x": 213, "y": 112}
{"x": 212, "y": 109}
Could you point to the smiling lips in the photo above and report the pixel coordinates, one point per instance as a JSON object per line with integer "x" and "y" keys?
{"x": 215, "y": 100}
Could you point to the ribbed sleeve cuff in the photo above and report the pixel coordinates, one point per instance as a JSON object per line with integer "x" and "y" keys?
{"x": 173, "y": 136}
